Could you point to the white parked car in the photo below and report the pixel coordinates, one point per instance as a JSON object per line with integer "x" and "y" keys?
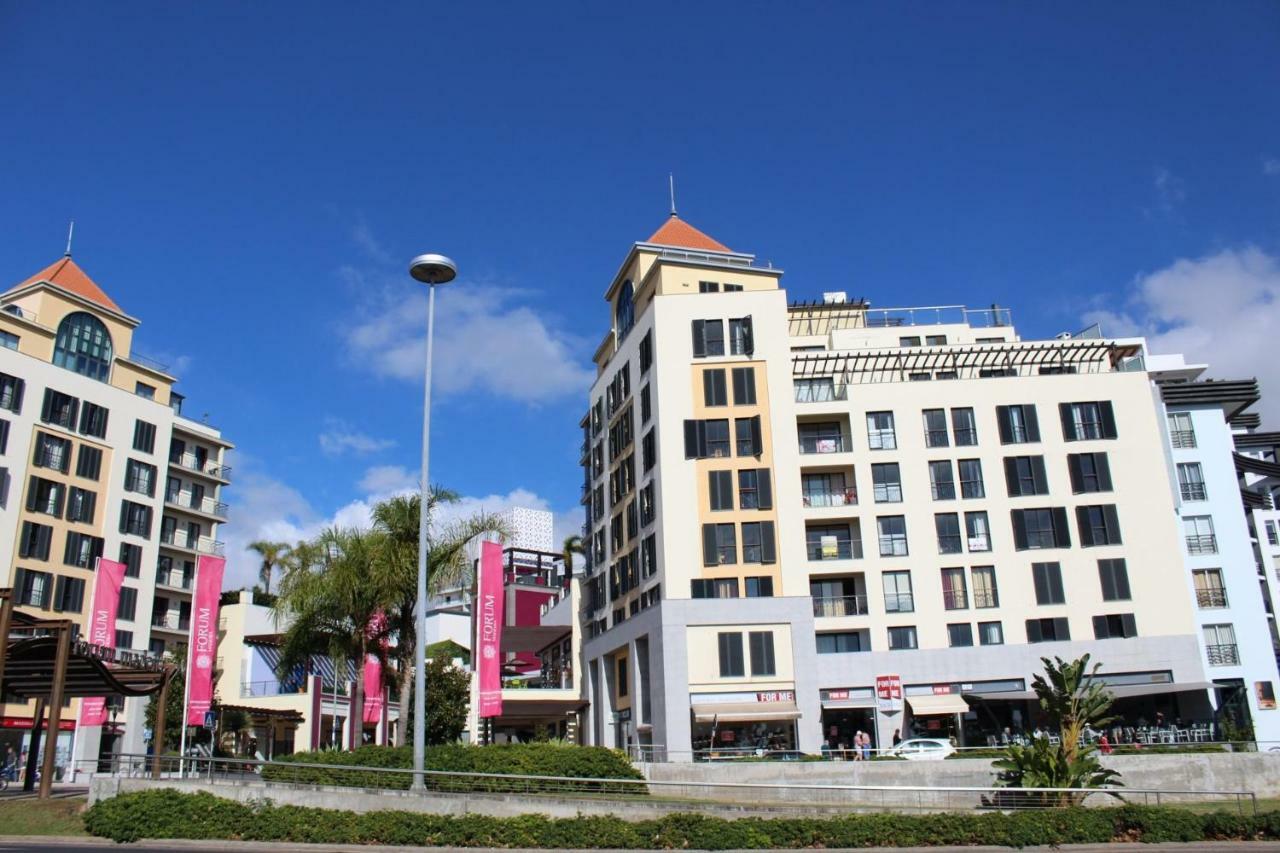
{"x": 923, "y": 749}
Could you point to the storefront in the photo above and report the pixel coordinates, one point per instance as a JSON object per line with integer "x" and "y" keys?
{"x": 729, "y": 725}
{"x": 937, "y": 715}
{"x": 845, "y": 712}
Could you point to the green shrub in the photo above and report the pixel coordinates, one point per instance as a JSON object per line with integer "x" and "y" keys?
{"x": 170, "y": 814}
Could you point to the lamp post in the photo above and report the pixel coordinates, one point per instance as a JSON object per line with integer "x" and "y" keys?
{"x": 430, "y": 270}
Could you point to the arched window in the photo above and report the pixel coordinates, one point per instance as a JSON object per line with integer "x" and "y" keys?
{"x": 625, "y": 314}
{"x": 83, "y": 345}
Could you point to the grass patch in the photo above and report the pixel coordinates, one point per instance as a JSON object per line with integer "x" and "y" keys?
{"x": 43, "y": 817}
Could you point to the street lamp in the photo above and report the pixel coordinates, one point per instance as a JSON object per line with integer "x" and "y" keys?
{"x": 430, "y": 270}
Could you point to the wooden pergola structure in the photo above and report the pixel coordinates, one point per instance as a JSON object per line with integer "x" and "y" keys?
{"x": 42, "y": 659}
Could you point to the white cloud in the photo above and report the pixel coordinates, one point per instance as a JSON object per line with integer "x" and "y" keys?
{"x": 1222, "y": 309}
{"x": 1170, "y": 192}
{"x": 339, "y": 438}
{"x": 363, "y": 237}
{"x": 1271, "y": 166}
{"x": 388, "y": 480}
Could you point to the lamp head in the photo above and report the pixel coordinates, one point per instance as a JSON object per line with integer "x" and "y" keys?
{"x": 433, "y": 269}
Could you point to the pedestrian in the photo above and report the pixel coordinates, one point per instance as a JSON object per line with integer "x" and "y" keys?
{"x": 1104, "y": 745}
{"x": 857, "y": 745}
{"x": 866, "y": 746}
{"x": 897, "y": 736}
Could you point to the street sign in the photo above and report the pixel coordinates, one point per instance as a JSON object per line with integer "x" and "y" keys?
{"x": 210, "y": 720}
{"x": 889, "y": 693}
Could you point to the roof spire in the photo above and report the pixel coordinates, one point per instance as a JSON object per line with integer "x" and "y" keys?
{"x": 671, "y": 180}
{"x": 71, "y": 230}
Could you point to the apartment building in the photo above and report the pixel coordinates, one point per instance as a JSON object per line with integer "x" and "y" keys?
{"x": 98, "y": 461}
{"x": 791, "y": 504}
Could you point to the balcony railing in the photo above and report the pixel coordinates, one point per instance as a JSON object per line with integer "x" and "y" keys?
{"x": 821, "y": 393}
{"x": 845, "y": 549}
{"x": 205, "y": 505}
{"x": 956, "y": 599}
{"x": 833, "y": 607}
{"x": 1193, "y": 492}
{"x": 250, "y": 689}
{"x": 822, "y": 444}
{"x": 191, "y": 462}
{"x": 1223, "y": 655}
{"x": 170, "y": 622}
{"x": 1183, "y": 438}
{"x": 203, "y": 544}
{"x": 174, "y": 580}
{"x": 982, "y": 598}
{"x": 899, "y": 602}
{"x": 1204, "y": 543}
{"x": 848, "y": 497}
{"x": 1211, "y": 597}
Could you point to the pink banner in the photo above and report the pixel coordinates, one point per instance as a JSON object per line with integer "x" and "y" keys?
{"x": 102, "y": 629}
{"x": 202, "y": 652}
{"x": 489, "y": 630}
{"x": 373, "y": 697}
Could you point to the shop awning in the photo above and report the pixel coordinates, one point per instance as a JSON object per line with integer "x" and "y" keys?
{"x": 855, "y": 702}
{"x": 288, "y": 715}
{"x": 745, "y": 712}
{"x": 1125, "y": 691}
{"x": 1004, "y": 696}
{"x": 944, "y": 703}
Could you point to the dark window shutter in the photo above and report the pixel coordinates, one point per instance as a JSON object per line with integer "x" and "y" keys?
{"x": 1061, "y": 630}
{"x": 46, "y": 541}
{"x": 709, "y": 557}
{"x": 764, "y": 488}
{"x": 1100, "y": 627}
{"x": 1130, "y": 625}
{"x": 1033, "y": 631}
{"x": 1121, "y": 573}
{"x": 1006, "y": 428}
{"x": 1058, "y": 595}
{"x": 1019, "y": 529}
{"x": 1040, "y": 580}
{"x": 1033, "y": 423}
{"x": 1104, "y": 471}
{"x": 1108, "y": 419}
{"x": 1077, "y": 476}
{"x": 756, "y": 441}
{"x": 124, "y": 517}
{"x": 75, "y": 414}
{"x": 31, "y": 494}
{"x": 709, "y": 387}
{"x": 19, "y": 387}
{"x": 1082, "y": 522}
{"x": 1061, "y": 532}
{"x": 1039, "y": 475}
{"x": 1011, "y": 476}
{"x": 739, "y": 386}
{"x": 768, "y": 548}
{"x": 1107, "y": 579}
{"x": 1112, "y": 520}
{"x": 699, "y": 339}
{"x": 47, "y": 407}
{"x": 690, "y": 439}
{"x": 749, "y": 335}
{"x": 1068, "y": 423}
{"x": 60, "y": 502}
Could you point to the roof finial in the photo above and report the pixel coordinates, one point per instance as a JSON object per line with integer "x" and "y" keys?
{"x": 71, "y": 230}
{"x": 671, "y": 179}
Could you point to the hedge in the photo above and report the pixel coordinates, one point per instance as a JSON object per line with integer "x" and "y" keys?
{"x": 516, "y": 759}
{"x": 171, "y": 814}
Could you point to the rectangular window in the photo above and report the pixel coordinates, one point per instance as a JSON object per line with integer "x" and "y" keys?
{"x": 1220, "y": 645}
{"x": 935, "y": 340}
{"x": 708, "y": 287}
{"x": 646, "y": 405}
{"x": 714, "y": 390}
{"x": 1087, "y": 421}
{"x": 758, "y": 542}
{"x": 1210, "y": 591}
{"x": 886, "y": 482}
{"x": 747, "y": 432}
{"x": 706, "y": 439}
{"x": 741, "y": 338}
{"x": 947, "y": 526}
{"x": 89, "y": 462}
{"x": 719, "y": 545}
{"x": 646, "y": 351}
{"x": 1182, "y": 433}
{"x": 964, "y": 427}
{"x": 1198, "y": 530}
{"x": 1098, "y": 525}
{"x": 977, "y": 531}
{"x": 1048, "y": 583}
{"x": 1018, "y": 424}
{"x": 9, "y": 340}
{"x": 942, "y": 480}
{"x": 35, "y": 541}
{"x": 902, "y": 638}
{"x": 1025, "y": 475}
{"x": 124, "y": 639}
{"x": 4, "y": 436}
{"x": 909, "y": 341}
{"x": 833, "y": 542}
{"x": 715, "y": 588}
{"x": 52, "y": 452}
{"x": 68, "y": 594}
{"x": 971, "y": 485}
{"x": 762, "y": 662}
{"x": 59, "y": 409}
{"x": 646, "y": 505}
{"x": 733, "y": 288}
{"x": 1114, "y": 626}
{"x": 935, "y": 428}
{"x": 11, "y": 388}
{"x": 708, "y": 338}
{"x": 145, "y": 391}
{"x": 720, "y": 489}
{"x": 32, "y": 589}
{"x": 141, "y": 478}
{"x": 648, "y": 451}
{"x": 93, "y": 420}
{"x": 955, "y": 596}
{"x": 818, "y": 389}
{"x": 744, "y": 386}
{"x": 1090, "y": 472}
{"x": 731, "y": 664}
{"x": 1114, "y": 577}
{"x": 990, "y": 634}
{"x": 1191, "y": 482}
{"x": 839, "y": 643}
{"x": 1040, "y": 528}
{"x": 880, "y": 433}
{"x": 131, "y": 556}
{"x": 46, "y": 497}
{"x": 135, "y": 518}
{"x": 959, "y": 635}
{"x": 893, "y": 535}
{"x": 80, "y": 505}
{"x": 622, "y": 677}
{"x": 898, "y": 597}
{"x": 144, "y": 437}
{"x": 82, "y": 550}
{"x": 1048, "y": 630}
{"x": 759, "y": 586}
{"x": 755, "y": 489}
{"x": 820, "y": 438}
{"x": 985, "y": 593}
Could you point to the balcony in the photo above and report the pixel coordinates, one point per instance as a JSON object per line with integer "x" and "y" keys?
{"x": 174, "y": 579}
{"x": 1193, "y": 492}
{"x": 1183, "y": 439}
{"x": 254, "y": 689}
{"x": 200, "y": 465}
{"x": 170, "y": 621}
{"x": 203, "y": 505}
{"x": 1207, "y": 598}
{"x": 840, "y": 549}
{"x": 1204, "y": 543}
{"x": 1223, "y": 655}
{"x": 848, "y": 497}
{"x": 200, "y": 544}
{"x": 822, "y": 393}
{"x": 833, "y": 607}
{"x": 822, "y": 444}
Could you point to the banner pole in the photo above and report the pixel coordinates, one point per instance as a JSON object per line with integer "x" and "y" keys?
{"x": 186, "y": 690}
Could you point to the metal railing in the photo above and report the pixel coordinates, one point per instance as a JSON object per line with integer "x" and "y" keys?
{"x": 845, "y": 549}
{"x": 251, "y": 689}
{"x": 833, "y": 607}
{"x": 1204, "y": 543}
{"x": 821, "y": 393}
{"x": 1226, "y": 654}
{"x": 1211, "y": 597}
{"x": 956, "y": 599}
{"x": 936, "y": 315}
{"x": 148, "y": 362}
{"x": 982, "y": 599}
{"x": 171, "y": 622}
{"x": 174, "y": 579}
{"x": 203, "y": 544}
{"x": 191, "y": 462}
{"x": 206, "y": 505}
{"x": 1183, "y": 438}
{"x": 847, "y": 497}
{"x": 822, "y": 444}
{"x": 899, "y": 602}
{"x": 1193, "y": 492}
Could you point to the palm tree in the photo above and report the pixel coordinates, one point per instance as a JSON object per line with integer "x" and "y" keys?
{"x": 272, "y": 554}
{"x": 572, "y": 545}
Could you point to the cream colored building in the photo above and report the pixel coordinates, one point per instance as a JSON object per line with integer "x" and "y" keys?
{"x": 786, "y": 501}
{"x": 98, "y": 460}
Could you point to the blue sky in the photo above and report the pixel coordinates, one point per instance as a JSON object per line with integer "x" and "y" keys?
{"x": 250, "y": 179}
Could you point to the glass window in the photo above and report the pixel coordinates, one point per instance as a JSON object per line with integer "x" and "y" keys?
{"x": 35, "y": 540}
{"x": 935, "y": 340}
{"x": 833, "y": 542}
{"x": 141, "y": 477}
{"x": 760, "y": 586}
{"x": 1090, "y": 472}
{"x": 820, "y": 438}
{"x": 893, "y": 535}
{"x": 1089, "y": 420}
{"x": 715, "y": 588}
{"x": 762, "y": 662}
{"x": 83, "y": 345}
{"x": 1048, "y": 630}
{"x": 748, "y": 488}
{"x": 990, "y": 634}
{"x": 741, "y": 339}
{"x": 955, "y": 596}
{"x": 1114, "y": 625}
{"x": 731, "y": 663}
{"x": 1182, "y": 433}
{"x": 718, "y": 438}
{"x": 11, "y": 388}
{"x": 909, "y": 341}
{"x": 714, "y": 389}
{"x": 93, "y": 420}
{"x": 45, "y": 497}
{"x": 744, "y": 386}
{"x": 89, "y": 462}
{"x": 1040, "y": 528}
{"x": 959, "y": 634}
{"x": 1048, "y": 583}
{"x": 8, "y": 340}
{"x": 985, "y": 594}
{"x": 752, "y": 543}
{"x": 819, "y": 389}
{"x": 748, "y": 434}
{"x": 1200, "y": 537}
{"x": 977, "y": 531}
{"x": 720, "y": 489}
{"x": 880, "y": 434}
{"x": 971, "y": 485}
{"x": 942, "y": 480}
{"x": 68, "y": 594}
{"x": 708, "y": 338}
{"x": 827, "y": 489}
{"x": 935, "y": 428}
{"x": 1114, "y": 577}
{"x": 1025, "y": 475}
{"x": 708, "y": 287}
{"x": 964, "y": 427}
{"x": 1018, "y": 424}
{"x": 947, "y": 526}
{"x": 144, "y": 437}
{"x": 1210, "y": 591}
{"x": 59, "y": 409}
{"x": 1191, "y": 481}
{"x": 886, "y": 482}
{"x": 1099, "y": 525}
{"x": 839, "y": 643}
{"x": 80, "y": 505}
{"x": 897, "y": 592}
{"x": 902, "y": 638}
{"x": 624, "y": 312}
{"x": 646, "y": 405}
{"x": 52, "y": 452}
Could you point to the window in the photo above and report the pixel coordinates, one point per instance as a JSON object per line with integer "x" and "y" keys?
{"x": 1048, "y": 630}
{"x": 902, "y": 638}
{"x": 1220, "y": 645}
{"x": 135, "y": 519}
{"x": 1114, "y": 626}
{"x": 1047, "y": 578}
{"x": 820, "y": 438}
{"x": 59, "y": 409}
{"x": 32, "y": 589}
{"x": 886, "y": 482}
{"x": 35, "y": 541}
{"x": 935, "y": 428}
{"x": 719, "y": 545}
{"x": 11, "y": 388}
{"x": 131, "y": 556}
{"x": 93, "y": 420}
{"x": 720, "y": 489}
{"x": 1200, "y": 537}
{"x": 880, "y": 434}
{"x": 1090, "y": 472}
{"x": 1182, "y": 433}
{"x": 897, "y": 592}
{"x": 140, "y": 477}
{"x": 762, "y": 662}
{"x": 741, "y": 338}
{"x": 935, "y": 340}
{"x": 955, "y": 596}
{"x": 80, "y": 505}
{"x": 942, "y": 480}
{"x": 68, "y": 594}
{"x": 52, "y": 452}
{"x": 947, "y": 526}
{"x": 759, "y": 586}
{"x": 646, "y": 505}
{"x": 985, "y": 594}
{"x": 893, "y": 535}
{"x": 649, "y": 559}
{"x": 1114, "y": 577}
{"x": 755, "y": 489}
{"x": 82, "y": 550}
{"x": 46, "y": 497}
{"x": 977, "y": 531}
{"x": 1191, "y": 481}
{"x": 959, "y": 635}
{"x": 744, "y": 386}
{"x": 706, "y": 439}
{"x": 84, "y": 346}
{"x": 731, "y": 655}
{"x": 845, "y": 641}
{"x": 909, "y": 341}
{"x": 747, "y": 432}
{"x": 715, "y": 588}
{"x": 1099, "y": 525}
{"x": 1025, "y": 475}
{"x": 4, "y": 436}
{"x": 828, "y": 489}
{"x": 1210, "y": 591}
{"x": 124, "y": 639}
{"x": 646, "y": 351}
{"x": 9, "y": 340}
{"x": 990, "y": 634}
{"x": 1018, "y": 424}
{"x": 971, "y": 485}
{"x": 714, "y": 391}
{"x": 964, "y": 427}
{"x": 1084, "y": 421}
{"x": 817, "y": 389}
{"x": 833, "y": 542}
{"x": 622, "y": 676}
{"x": 624, "y": 312}
{"x": 758, "y": 542}
{"x": 924, "y": 376}
{"x": 733, "y": 288}
{"x": 144, "y": 437}
{"x": 89, "y": 462}
{"x": 708, "y": 338}
{"x": 708, "y": 287}
{"x": 1040, "y": 528}
{"x": 646, "y": 405}
{"x": 648, "y": 450}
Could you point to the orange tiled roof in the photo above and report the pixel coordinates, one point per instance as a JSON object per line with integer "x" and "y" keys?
{"x": 676, "y": 232}
{"x": 65, "y": 273}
